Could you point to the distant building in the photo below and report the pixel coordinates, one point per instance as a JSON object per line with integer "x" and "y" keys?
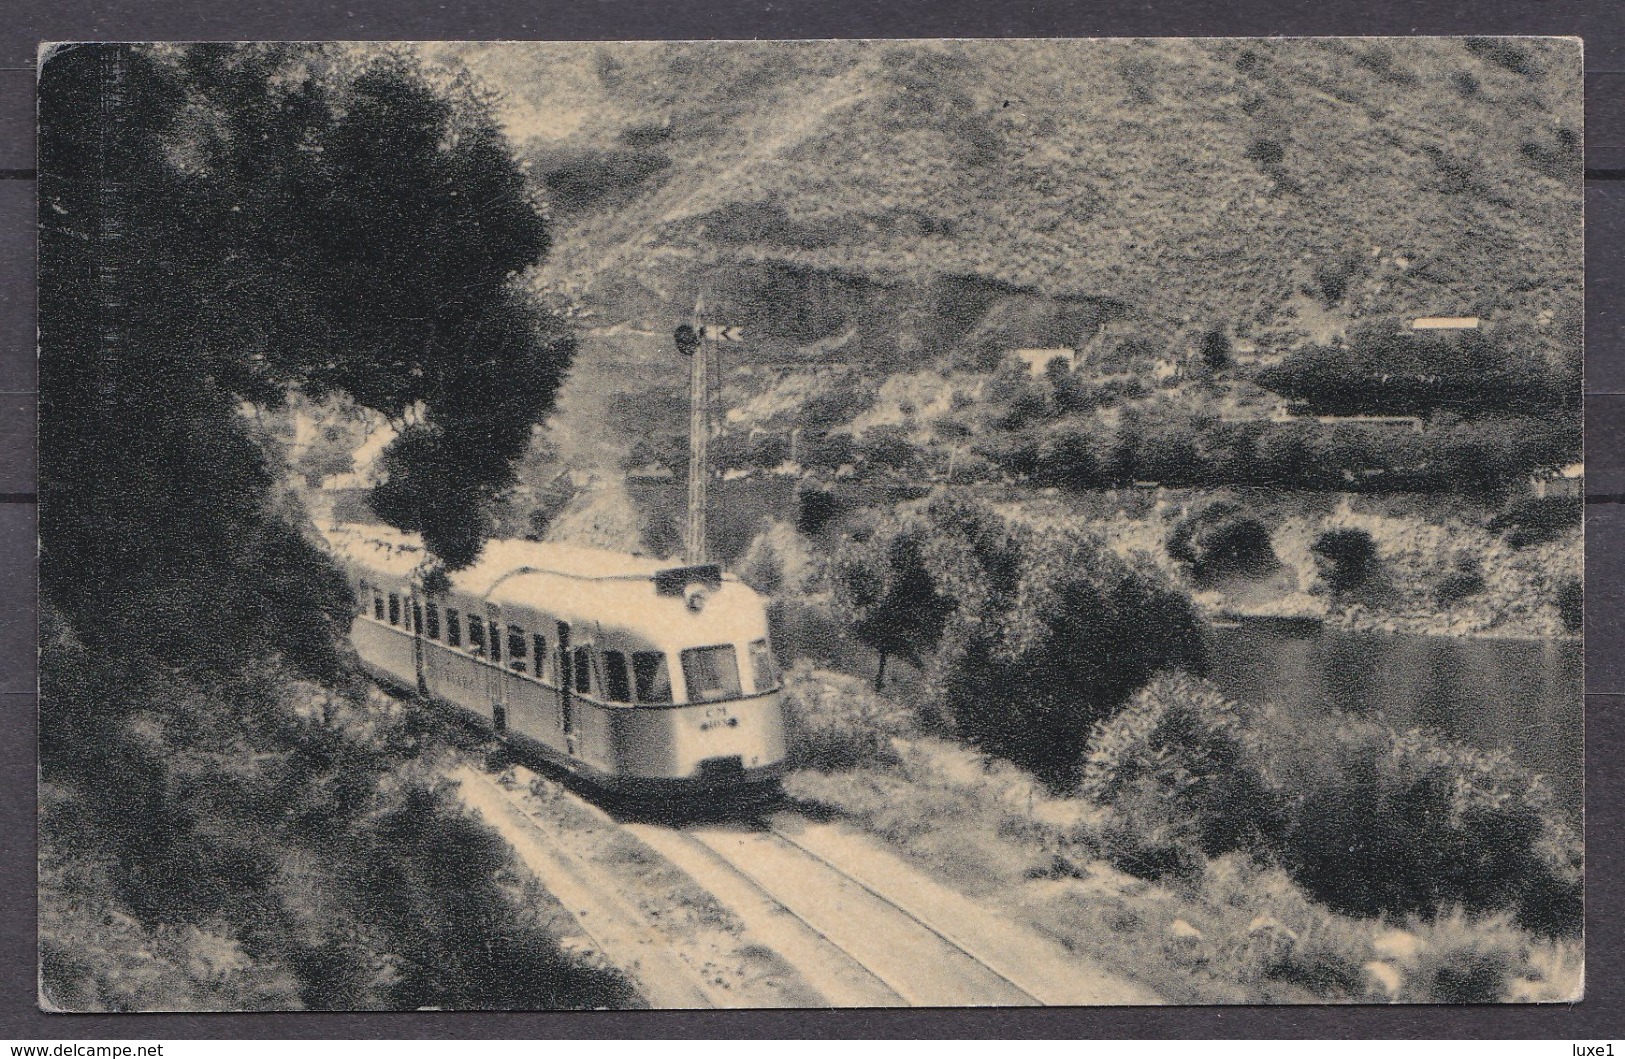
{"x": 1167, "y": 370}
{"x": 652, "y": 472}
{"x": 1445, "y": 323}
{"x": 1037, "y": 360}
{"x": 1562, "y": 481}
{"x": 338, "y": 483}
{"x": 1410, "y": 423}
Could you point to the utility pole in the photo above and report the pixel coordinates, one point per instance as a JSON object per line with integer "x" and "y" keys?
{"x": 699, "y": 436}
{"x": 697, "y": 341}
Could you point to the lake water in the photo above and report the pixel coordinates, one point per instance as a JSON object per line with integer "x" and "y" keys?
{"x": 1524, "y": 695}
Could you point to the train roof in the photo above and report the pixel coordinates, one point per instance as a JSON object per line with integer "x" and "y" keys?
{"x": 578, "y": 584}
{"x": 389, "y": 550}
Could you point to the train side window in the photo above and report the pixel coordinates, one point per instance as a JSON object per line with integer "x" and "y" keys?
{"x": 378, "y": 606}
{"x": 415, "y": 617}
{"x": 617, "y": 687}
{"x": 651, "y": 675}
{"x": 763, "y": 672}
{"x": 454, "y": 628}
{"x": 583, "y": 670}
{"x": 538, "y": 643}
{"x": 711, "y": 673}
{"x": 516, "y": 649}
{"x": 432, "y": 614}
{"x": 496, "y": 641}
{"x": 394, "y": 609}
{"x": 476, "y": 635}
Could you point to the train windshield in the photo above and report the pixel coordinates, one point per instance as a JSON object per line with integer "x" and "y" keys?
{"x": 652, "y": 677}
{"x": 711, "y": 673}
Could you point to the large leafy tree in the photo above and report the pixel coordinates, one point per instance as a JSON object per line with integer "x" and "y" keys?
{"x": 223, "y": 225}
{"x": 1027, "y": 636}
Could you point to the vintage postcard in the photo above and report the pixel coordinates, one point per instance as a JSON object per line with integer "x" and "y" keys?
{"x": 810, "y": 524}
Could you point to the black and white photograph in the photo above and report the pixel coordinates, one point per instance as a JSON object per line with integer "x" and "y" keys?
{"x": 728, "y": 524}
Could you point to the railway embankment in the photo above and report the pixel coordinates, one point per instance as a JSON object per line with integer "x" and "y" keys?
{"x": 681, "y": 945}
{"x": 767, "y": 909}
{"x": 903, "y": 868}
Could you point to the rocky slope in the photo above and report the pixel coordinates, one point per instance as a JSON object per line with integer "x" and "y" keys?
{"x": 907, "y": 199}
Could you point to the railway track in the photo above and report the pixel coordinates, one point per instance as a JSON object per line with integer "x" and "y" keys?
{"x": 885, "y": 954}
{"x": 858, "y": 926}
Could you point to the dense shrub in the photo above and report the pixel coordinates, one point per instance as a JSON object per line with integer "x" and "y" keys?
{"x": 1537, "y": 519}
{"x": 1486, "y": 456}
{"x": 1368, "y": 820}
{"x": 777, "y": 561}
{"x": 271, "y": 844}
{"x": 444, "y": 888}
{"x": 835, "y": 722}
{"x": 1348, "y": 558}
{"x": 888, "y": 447}
{"x": 1388, "y": 369}
{"x": 1459, "y": 961}
{"x": 1288, "y": 938}
{"x": 816, "y": 508}
{"x": 1220, "y": 539}
{"x": 837, "y": 403}
{"x": 827, "y": 450}
{"x": 578, "y": 180}
{"x": 1183, "y": 776}
{"x": 1465, "y": 580}
{"x": 1385, "y": 822}
{"x": 1028, "y": 636}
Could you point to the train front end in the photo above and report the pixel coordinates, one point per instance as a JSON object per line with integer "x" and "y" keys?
{"x": 723, "y": 726}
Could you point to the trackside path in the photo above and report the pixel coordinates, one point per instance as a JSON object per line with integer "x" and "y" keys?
{"x": 620, "y": 932}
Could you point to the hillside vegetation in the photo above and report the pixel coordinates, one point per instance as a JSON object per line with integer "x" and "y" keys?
{"x": 1221, "y": 229}
{"x": 931, "y": 196}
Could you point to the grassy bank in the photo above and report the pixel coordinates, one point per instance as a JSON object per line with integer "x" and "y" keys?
{"x": 1233, "y": 927}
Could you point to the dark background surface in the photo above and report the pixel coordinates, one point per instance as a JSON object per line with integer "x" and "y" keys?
{"x": 1600, "y": 22}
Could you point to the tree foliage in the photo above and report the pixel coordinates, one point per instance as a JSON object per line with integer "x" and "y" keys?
{"x": 1027, "y": 636}
{"x": 1348, "y": 558}
{"x": 223, "y": 227}
{"x": 230, "y": 224}
{"x": 1387, "y": 369}
{"x": 1219, "y": 539}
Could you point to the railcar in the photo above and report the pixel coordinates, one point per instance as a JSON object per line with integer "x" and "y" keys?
{"x": 634, "y": 674}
